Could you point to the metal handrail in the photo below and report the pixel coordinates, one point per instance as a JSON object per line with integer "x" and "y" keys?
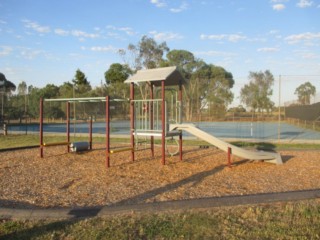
{"x": 145, "y": 122}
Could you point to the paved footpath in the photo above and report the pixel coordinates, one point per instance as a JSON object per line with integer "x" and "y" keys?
{"x": 203, "y": 203}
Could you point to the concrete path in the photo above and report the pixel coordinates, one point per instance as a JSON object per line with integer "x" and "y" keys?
{"x": 203, "y": 203}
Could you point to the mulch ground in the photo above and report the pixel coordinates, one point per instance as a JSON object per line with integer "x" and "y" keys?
{"x": 63, "y": 179}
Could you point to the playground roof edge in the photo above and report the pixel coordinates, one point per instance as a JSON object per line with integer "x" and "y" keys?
{"x": 171, "y": 76}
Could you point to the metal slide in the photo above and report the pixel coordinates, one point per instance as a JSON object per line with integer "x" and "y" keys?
{"x": 240, "y": 152}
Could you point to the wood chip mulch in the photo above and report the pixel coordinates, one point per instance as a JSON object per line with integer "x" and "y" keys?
{"x": 63, "y": 179}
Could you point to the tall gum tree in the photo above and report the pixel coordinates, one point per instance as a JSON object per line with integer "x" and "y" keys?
{"x": 256, "y": 94}
{"x": 146, "y": 54}
{"x": 304, "y": 93}
{"x": 208, "y": 86}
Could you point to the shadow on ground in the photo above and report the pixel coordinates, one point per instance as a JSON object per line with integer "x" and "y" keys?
{"x": 194, "y": 179}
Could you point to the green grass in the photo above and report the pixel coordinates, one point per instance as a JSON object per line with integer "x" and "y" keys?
{"x": 298, "y": 220}
{"x": 278, "y": 146}
{"x": 11, "y": 141}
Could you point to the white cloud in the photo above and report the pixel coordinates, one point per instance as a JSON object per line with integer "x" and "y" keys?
{"x": 272, "y": 32}
{"x": 163, "y": 4}
{"x": 158, "y": 3}
{"x": 61, "y": 32}
{"x": 228, "y": 37}
{"x": 211, "y": 37}
{"x": 235, "y": 37}
{"x": 278, "y": 7}
{"x": 128, "y": 30}
{"x": 30, "y": 53}
{"x": 165, "y": 36}
{"x": 304, "y": 3}
{"x": 81, "y": 34}
{"x": 102, "y": 49}
{"x": 111, "y": 27}
{"x": 266, "y": 49}
{"x": 5, "y": 50}
{"x": 215, "y": 54}
{"x": 308, "y": 36}
{"x": 181, "y": 8}
{"x": 310, "y": 56}
{"x": 257, "y": 39}
{"x": 305, "y": 54}
{"x": 35, "y": 26}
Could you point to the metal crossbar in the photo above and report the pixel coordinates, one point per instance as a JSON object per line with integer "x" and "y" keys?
{"x": 85, "y": 99}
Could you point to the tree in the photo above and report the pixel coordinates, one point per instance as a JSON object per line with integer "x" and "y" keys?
{"x": 207, "y": 85}
{"x": 238, "y": 109}
{"x": 34, "y": 98}
{"x": 187, "y": 65}
{"x": 185, "y": 61}
{"x": 115, "y": 77}
{"x": 51, "y": 110}
{"x": 304, "y": 92}
{"x": 213, "y": 89}
{"x": 22, "y": 88}
{"x": 256, "y": 94}
{"x": 66, "y": 90}
{"x": 80, "y": 78}
{"x": 6, "y": 87}
{"x": 117, "y": 73}
{"x": 81, "y": 84}
{"x": 146, "y": 54}
{"x": 22, "y": 97}
{"x": 217, "y": 90}
{"x": 50, "y": 91}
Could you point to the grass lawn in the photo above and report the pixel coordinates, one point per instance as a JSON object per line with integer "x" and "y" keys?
{"x": 11, "y": 141}
{"x": 296, "y": 220}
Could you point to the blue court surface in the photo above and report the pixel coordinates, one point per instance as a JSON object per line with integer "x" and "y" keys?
{"x": 231, "y": 130}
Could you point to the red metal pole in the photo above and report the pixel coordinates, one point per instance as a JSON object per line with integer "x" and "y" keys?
{"x": 90, "y": 133}
{"x": 180, "y": 112}
{"x": 41, "y": 127}
{"x": 107, "y": 132}
{"x": 229, "y": 156}
{"x": 68, "y": 126}
{"x": 163, "y": 122}
{"x": 132, "y": 119}
{"x": 151, "y": 119}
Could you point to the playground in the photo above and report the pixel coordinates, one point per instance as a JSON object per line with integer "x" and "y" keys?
{"x": 87, "y": 174}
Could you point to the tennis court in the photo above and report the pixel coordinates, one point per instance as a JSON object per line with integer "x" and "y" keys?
{"x": 264, "y": 131}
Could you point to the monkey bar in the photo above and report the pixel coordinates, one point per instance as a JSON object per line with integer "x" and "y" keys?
{"x": 84, "y": 99}
{"x": 120, "y": 150}
{"x": 55, "y": 144}
{"x": 67, "y": 142}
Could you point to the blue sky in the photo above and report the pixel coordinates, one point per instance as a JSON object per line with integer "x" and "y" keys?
{"x": 45, "y": 41}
